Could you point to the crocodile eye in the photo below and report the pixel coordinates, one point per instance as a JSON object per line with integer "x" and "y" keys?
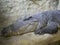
{"x": 27, "y": 18}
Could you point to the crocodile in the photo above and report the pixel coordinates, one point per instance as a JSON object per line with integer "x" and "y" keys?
{"x": 46, "y": 22}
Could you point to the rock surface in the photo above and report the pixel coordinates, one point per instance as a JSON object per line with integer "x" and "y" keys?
{"x": 11, "y": 10}
{"x": 30, "y": 39}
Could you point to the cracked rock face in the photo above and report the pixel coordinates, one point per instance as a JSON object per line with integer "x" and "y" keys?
{"x": 11, "y": 10}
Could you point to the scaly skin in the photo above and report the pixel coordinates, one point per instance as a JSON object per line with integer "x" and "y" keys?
{"x": 44, "y": 22}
